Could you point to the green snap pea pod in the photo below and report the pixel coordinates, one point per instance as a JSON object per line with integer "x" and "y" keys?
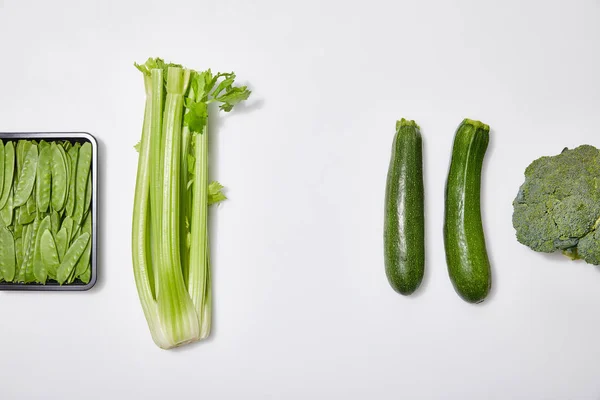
{"x": 49, "y": 253}
{"x": 9, "y": 170}
{"x": 62, "y": 242}
{"x": 67, "y": 145}
{"x": 29, "y": 276}
{"x": 83, "y": 170}
{"x": 84, "y": 262}
{"x": 27, "y": 233}
{"x": 85, "y": 277}
{"x": 76, "y": 232}
{"x": 26, "y": 177}
{"x": 19, "y": 250}
{"x": 55, "y": 222}
{"x": 39, "y": 269}
{"x": 1, "y": 166}
{"x": 7, "y": 255}
{"x": 73, "y": 155}
{"x": 42, "y": 145}
{"x": 71, "y": 257}
{"x": 23, "y": 147}
{"x": 67, "y": 160}
{"x": 6, "y": 214}
{"x": 69, "y": 225}
{"x": 59, "y": 178}
{"x": 31, "y": 203}
{"x": 24, "y": 216}
{"x": 44, "y": 179}
{"x": 17, "y": 230}
{"x": 88, "y": 195}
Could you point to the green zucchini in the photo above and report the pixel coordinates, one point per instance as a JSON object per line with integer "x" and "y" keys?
{"x": 464, "y": 240}
{"x": 404, "y": 225}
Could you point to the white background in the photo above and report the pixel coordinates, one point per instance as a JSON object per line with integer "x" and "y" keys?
{"x": 302, "y": 306}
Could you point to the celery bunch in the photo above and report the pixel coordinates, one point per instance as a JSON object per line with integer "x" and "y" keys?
{"x": 170, "y": 220}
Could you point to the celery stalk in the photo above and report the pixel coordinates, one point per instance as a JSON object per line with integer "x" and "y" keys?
{"x": 170, "y": 224}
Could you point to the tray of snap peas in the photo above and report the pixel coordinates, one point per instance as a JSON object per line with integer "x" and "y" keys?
{"x": 48, "y": 185}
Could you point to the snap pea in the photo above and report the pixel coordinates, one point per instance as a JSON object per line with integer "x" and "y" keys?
{"x": 23, "y": 147}
{"x": 71, "y": 257}
{"x": 83, "y": 170}
{"x": 29, "y": 276}
{"x": 59, "y": 178}
{"x": 55, "y": 220}
{"x": 68, "y": 224}
{"x": 62, "y": 242}
{"x": 6, "y": 214}
{"x": 7, "y": 255}
{"x": 88, "y": 194}
{"x": 24, "y": 216}
{"x": 44, "y": 179}
{"x": 19, "y": 250}
{"x": 39, "y": 269}
{"x": 31, "y": 203}
{"x": 67, "y": 161}
{"x": 27, "y": 233}
{"x": 17, "y": 231}
{"x": 83, "y": 265}
{"x": 49, "y": 253}
{"x": 85, "y": 277}
{"x": 42, "y": 145}
{"x": 1, "y": 166}
{"x": 76, "y": 232}
{"x": 26, "y": 177}
{"x": 73, "y": 155}
{"x": 9, "y": 169}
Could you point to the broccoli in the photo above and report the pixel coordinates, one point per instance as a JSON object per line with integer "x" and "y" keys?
{"x": 558, "y": 205}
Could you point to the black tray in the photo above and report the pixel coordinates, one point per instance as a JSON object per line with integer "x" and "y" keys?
{"x": 80, "y": 137}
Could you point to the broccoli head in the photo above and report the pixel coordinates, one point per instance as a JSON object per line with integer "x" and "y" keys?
{"x": 558, "y": 205}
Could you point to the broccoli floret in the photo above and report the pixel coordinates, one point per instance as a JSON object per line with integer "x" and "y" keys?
{"x": 558, "y": 205}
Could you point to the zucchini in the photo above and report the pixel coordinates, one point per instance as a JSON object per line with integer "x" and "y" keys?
{"x": 404, "y": 225}
{"x": 464, "y": 240}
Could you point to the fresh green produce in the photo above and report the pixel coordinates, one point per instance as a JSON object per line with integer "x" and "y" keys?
{"x": 170, "y": 219}
{"x": 466, "y": 255}
{"x": 36, "y": 180}
{"x": 558, "y": 205}
{"x": 404, "y": 226}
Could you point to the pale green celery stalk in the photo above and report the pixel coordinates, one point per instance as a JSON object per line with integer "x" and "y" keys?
{"x": 156, "y": 167}
{"x": 141, "y": 259}
{"x": 178, "y": 315}
{"x": 185, "y": 201}
{"x": 199, "y": 278}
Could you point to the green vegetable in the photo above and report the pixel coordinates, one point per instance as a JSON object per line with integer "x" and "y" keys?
{"x": 71, "y": 257}
{"x": 170, "y": 227}
{"x": 26, "y": 177}
{"x": 73, "y": 156}
{"x": 49, "y": 253}
{"x": 83, "y": 170}
{"x": 62, "y": 242}
{"x": 7, "y": 255}
{"x": 40, "y": 269}
{"x": 59, "y": 177}
{"x": 44, "y": 179}
{"x": 404, "y": 227}
{"x": 9, "y": 168}
{"x": 7, "y": 212}
{"x": 36, "y": 180}
{"x": 466, "y": 255}
{"x": 1, "y": 166}
{"x": 558, "y": 205}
